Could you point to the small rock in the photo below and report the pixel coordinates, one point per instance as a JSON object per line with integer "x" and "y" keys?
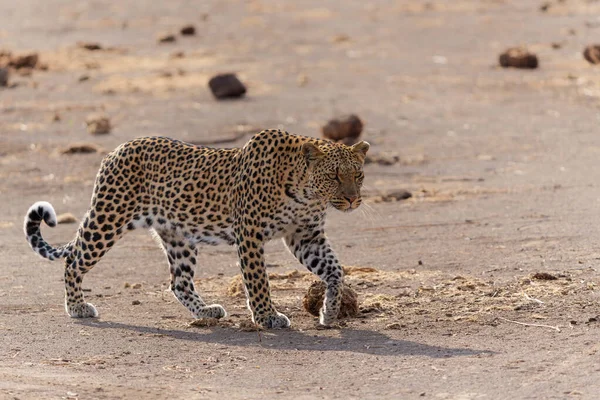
{"x": 226, "y": 86}
{"x": 4, "y": 76}
{"x": 24, "y": 61}
{"x": 136, "y": 303}
{"x": 81, "y": 148}
{"x": 345, "y": 129}
{"x": 56, "y": 117}
{"x": 545, "y": 6}
{"x": 592, "y": 54}
{"x": 127, "y": 285}
{"x": 98, "y": 124}
{"x": 92, "y": 46}
{"x": 166, "y": 38}
{"x": 136, "y": 286}
{"x": 518, "y": 58}
{"x": 177, "y": 54}
{"x": 66, "y": 218}
{"x": 84, "y": 78}
{"x": 188, "y": 30}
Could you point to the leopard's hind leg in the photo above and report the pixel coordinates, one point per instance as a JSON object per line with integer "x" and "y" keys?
{"x": 182, "y": 261}
{"x": 96, "y": 235}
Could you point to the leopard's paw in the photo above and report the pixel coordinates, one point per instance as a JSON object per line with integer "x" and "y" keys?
{"x": 212, "y": 311}
{"x": 326, "y": 318}
{"x": 274, "y": 321}
{"x": 81, "y": 310}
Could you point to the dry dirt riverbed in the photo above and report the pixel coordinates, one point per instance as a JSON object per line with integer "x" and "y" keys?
{"x": 483, "y": 285}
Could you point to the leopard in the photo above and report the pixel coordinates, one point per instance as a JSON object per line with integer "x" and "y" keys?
{"x": 277, "y": 186}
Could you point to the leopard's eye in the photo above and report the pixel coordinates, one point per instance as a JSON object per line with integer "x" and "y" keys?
{"x": 359, "y": 175}
{"x": 333, "y": 177}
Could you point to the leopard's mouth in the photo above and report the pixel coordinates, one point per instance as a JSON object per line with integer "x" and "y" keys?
{"x": 344, "y": 205}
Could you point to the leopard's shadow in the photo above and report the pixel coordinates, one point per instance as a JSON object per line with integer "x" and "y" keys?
{"x": 348, "y": 339}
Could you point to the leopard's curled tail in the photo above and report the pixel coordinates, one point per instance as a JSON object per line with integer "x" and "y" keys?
{"x": 43, "y": 210}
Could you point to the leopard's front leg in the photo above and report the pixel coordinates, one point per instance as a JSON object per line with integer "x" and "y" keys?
{"x": 256, "y": 282}
{"x": 312, "y": 249}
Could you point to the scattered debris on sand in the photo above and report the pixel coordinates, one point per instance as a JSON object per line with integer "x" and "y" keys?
{"x": 313, "y": 300}
{"x": 91, "y": 46}
{"x": 66, "y": 218}
{"x": 188, "y": 30}
{"x": 544, "y": 276}
{"x": 349, "y": 270}
{"x": 302, "y": 80}
{"x": 345, "y": 129}
{"x": 592, "y": 54}
{"x": 225, "y": 86}
{"x": 81, "y": 148}
{"x": 382, "y": 159}
{"x": 4, "y": 74}
{"x": 249, "y": 326}
{"x": 166, "y": 38}
{"x": 27, "y": 60}
{"x": 204, "y": 322}
{"x": 98, "y": 124}
{"x": 518, "y": 58}
{"x": 545, "y": 6}
{"x": 394, "y": 195}
{"x": 236, "y": 287}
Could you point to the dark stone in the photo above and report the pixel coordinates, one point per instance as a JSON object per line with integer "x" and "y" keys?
{"x": 188, "y": 30}
{"x": 226, "y": 86}
{"x": 518, "y": 58}
{"x": 397, "y": 195}
{"x": 592, "y": 54}
{"x": 346, "y": 129}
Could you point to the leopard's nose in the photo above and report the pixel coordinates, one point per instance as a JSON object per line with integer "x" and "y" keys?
{"x": 351, "y": 199}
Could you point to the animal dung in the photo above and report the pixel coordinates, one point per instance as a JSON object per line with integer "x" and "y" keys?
{"x": 592, "y": 54}
{"x": 345, "y": 129}
{"x": 518, "y": 58}
{"x": 313, "y": 300}
{"x": 225, "y": 86}
{"x": 188, "y": 30}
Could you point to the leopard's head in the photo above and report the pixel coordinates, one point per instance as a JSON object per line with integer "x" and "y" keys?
{"x": 336, "y": 172}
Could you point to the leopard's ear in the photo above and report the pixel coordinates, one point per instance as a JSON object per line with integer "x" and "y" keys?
{"x": 361, "y": 149}
{"x": 311, "y": 153}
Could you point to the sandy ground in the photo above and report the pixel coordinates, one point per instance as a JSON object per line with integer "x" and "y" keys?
{"x": 501, "y": 231}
